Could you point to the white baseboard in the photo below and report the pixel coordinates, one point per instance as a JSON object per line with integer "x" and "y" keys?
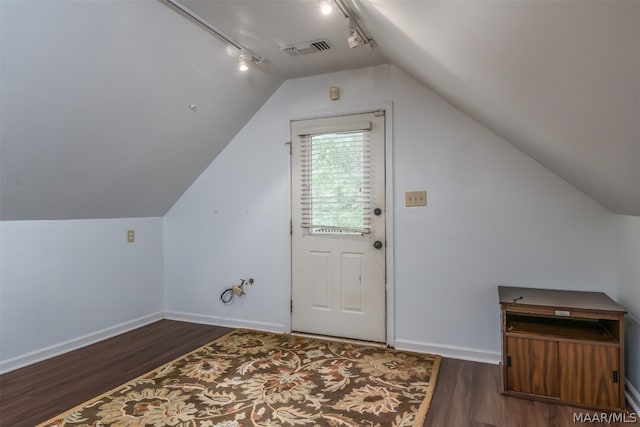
{"x": 76, "y": 343}
{"x": 224, "y": 321}
{"x": 454, "y": 352}
{"x": 633, "y": 396}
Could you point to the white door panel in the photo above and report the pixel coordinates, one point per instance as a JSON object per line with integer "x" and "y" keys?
{"x": 338, "y": 276}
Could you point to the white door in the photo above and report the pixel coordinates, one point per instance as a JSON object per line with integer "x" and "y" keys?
{"x": 338, "y": 227}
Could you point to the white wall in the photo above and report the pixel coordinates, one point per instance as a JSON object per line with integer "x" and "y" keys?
{"x": 64, "y": 284}
{"x": 629, "y": 255}
{"x": 495, "y": 216}
{"x": 629, "y": 294}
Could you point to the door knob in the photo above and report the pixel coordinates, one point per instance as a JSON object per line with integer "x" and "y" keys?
{"x": 377, "y": 211}
{"x": 377, "y": 244}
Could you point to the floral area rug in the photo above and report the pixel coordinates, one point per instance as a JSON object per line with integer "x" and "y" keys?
{"x": 249, "y": 378}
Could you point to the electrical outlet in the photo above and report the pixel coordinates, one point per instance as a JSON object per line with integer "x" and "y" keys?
{"x": 131, "y": 236}
{"x": 415, "y": 198}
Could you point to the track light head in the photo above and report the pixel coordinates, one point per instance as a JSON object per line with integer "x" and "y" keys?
{"x": 355, "y": 39}
{"x": 243, "y": 64}
{"x": 325, "y": 6}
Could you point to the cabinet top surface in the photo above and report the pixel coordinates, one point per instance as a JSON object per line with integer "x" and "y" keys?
{"x": 556, "y": 298}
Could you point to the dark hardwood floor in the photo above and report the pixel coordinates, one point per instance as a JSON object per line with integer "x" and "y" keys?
{"x": 35, "y": 393}
{"x": 467, "y": 393}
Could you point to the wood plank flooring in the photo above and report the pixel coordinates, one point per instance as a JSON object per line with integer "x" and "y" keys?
{"x": 466, "y": 395}
{"x": 34, "y": 394}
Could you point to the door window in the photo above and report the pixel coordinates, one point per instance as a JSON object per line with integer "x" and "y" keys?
{"x": 336, "y": 195}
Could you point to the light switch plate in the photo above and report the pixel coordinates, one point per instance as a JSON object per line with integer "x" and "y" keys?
{"x": 131, "y": 236}
{"x": 415, "y": 198}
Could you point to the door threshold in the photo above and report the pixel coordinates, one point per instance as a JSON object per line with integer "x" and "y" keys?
{"x": 342, "y": 340}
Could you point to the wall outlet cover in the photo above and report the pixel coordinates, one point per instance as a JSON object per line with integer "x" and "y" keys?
{"x": 415, "y": 198}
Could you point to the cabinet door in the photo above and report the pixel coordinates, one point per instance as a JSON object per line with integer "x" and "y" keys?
{"x": 589, "y": 374}
{"x": 534, "y": 366}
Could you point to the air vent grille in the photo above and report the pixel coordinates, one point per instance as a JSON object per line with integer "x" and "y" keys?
{"x": 308, "y": 47}
{"x": 321, "y": 45}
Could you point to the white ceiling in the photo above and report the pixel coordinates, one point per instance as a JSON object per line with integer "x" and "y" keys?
{"x": 95, "y": 107}
{"x": 559, "y": 79}
{"x": 265, "y": 26}
{"x": 95, "y": 119}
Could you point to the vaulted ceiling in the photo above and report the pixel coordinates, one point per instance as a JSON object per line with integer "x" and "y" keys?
{"x": 95, "y": 96}
{"x": 560, "y": 79}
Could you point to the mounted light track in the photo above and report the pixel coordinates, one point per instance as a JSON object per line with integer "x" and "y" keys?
{"x": 357, "y": 35}
{"x": 248, "y": 53}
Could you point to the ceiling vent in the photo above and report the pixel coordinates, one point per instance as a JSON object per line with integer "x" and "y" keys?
{"x": 308, "y": 47}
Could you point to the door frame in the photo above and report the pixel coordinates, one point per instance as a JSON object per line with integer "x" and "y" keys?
{"x": 387, "y": 107}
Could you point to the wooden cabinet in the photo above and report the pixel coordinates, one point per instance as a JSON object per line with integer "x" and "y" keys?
{"x": 533, "y": 366}
{"x": 589, "y": 373}
{"x": 563, "y": 347}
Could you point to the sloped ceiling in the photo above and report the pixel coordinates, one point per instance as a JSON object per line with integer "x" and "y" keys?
{"x": 95, "y": 99}
{"x": 95, "y": 107}
{"x": 267, "y": 26}
{"x": 95, "y": 96}
{"x": 559, "y": 79}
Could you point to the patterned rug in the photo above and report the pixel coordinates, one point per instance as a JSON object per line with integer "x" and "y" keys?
{"x": 249, "y": 378}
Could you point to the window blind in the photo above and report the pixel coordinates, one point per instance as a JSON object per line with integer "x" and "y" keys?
{"x": 336, "y": 181}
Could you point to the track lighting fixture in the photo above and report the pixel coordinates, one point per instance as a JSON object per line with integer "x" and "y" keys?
{"x": 243, "y": 65}
{"x": 325, "y": 6}
{"x": 357, "y": 35}
{"x": 246, "y": 55}
{"x": 354, "y": 39}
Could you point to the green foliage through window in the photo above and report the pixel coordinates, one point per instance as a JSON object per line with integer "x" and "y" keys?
{"x": 339, "y": 191}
